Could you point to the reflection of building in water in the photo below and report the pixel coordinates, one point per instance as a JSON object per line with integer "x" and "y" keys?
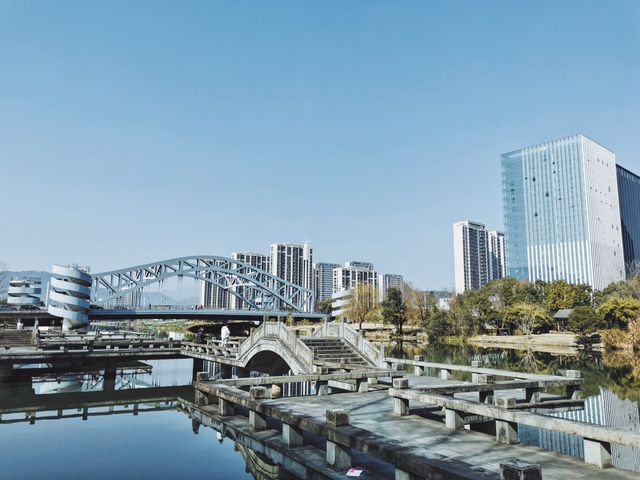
{"x": 604, "y": 409}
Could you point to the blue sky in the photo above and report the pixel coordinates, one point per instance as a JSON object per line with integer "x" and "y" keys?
{"x": 137, "y": 131}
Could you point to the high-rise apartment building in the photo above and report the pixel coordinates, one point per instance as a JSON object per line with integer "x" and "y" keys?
{"x": 353, "y": 274}
{"x": 323, "y": 280}
{"x": 387, "y": 281}
{"x": 496, "y": 255}
{"x": 293, "y": 262}
{"x": 213, "y": 296}
{"x": 562, "y": 214}
{"x": 478, "y": 255}
{"x": 629, "y": 198}
{"x": 258, "y": 260}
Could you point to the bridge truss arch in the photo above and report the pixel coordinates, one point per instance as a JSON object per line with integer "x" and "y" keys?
{"x": 259, "y": 289}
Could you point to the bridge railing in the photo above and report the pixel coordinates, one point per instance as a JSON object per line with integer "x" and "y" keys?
{"x": 213, "y": 347}
{"x": 280, "y": 331}
{"x": 368, "y": 350}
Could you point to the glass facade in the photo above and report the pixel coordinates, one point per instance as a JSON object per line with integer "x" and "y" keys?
{"x": 561, "y": 212}
{"x": 629, "y": 196}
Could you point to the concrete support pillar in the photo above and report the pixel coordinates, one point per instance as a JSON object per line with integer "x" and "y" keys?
{"x": 257, "y": 420}
{"x": 597, "y": 453}
{"x": 402, "y": 475}
{"x": 400, "y": 405}
{"x": 85, "y": 413}
{"x": 445, "y": 374}
{"x": 110, "y": 369}
{"x": 338, "y": 456}
{"x": 418, "y": 370}
{"x": 136, "y": 408}
{"x": 225, "y": 408}
{"x": 198, "y": 366}
{"x": 474, "y": 376}
{"x": 515, "y": 469}
{"x": 573, "y": 391}
{"x": 453, "y": 419}
{"x": 322, "y": 387}
{"x": 291, "y": 436}
{"x": 362, "y": 385}
{"x": 506, "y": 432}
{"x": 201, "y": 398}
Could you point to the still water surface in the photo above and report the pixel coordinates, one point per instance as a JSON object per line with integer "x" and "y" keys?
{"x": 164, "y": 444}
{"x": 150, "y": 445}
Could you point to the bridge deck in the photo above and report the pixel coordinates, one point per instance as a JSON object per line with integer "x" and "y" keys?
{"x": 428, "y": 438}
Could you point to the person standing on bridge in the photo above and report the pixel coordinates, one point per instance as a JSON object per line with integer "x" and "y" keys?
{"x": 224, "y": 334}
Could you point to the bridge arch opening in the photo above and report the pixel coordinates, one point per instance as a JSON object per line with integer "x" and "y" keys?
{"x": 268, "y": 362}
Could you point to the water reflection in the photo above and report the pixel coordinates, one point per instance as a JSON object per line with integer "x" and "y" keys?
{"x": 617, "y": 372}
{"x": 611, "y": 389}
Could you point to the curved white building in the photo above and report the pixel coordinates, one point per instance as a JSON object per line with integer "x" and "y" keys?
{"x": 69, "y": 295}
{"x": 24, "y": 291}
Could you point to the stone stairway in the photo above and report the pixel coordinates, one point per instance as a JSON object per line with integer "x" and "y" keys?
{"x": 15, "y": 338}
{"x": 335, "y": 351}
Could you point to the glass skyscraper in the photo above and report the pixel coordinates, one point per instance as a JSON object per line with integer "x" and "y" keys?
{"x": 629, "y": 195}
{"x": 561, "y": 213}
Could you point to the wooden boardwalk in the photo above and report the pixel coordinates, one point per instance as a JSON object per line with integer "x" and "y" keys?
{"x": 373, "y": 428}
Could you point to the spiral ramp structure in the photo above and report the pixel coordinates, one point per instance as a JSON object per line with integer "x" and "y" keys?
{"x": 24, "y": 292}
{"x": 69, "y": 296}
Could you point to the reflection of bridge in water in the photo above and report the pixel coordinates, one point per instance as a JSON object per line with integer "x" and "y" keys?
{"x": 323, "y": 429}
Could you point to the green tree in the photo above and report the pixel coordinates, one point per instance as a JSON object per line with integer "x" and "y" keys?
{"x": 527, "y": 318}
{"x": 394, "y": 309}
{"x": 508, "y": 291}
{"x": 617, "y": 311}
{"x": 561, "y": 294}
{"x": 585, "y": 320}
{"x": 468, "y": 313}
{"x": 624, "y": 288}
{"x": 437, "y": 326}
{"x": 363, "y": 303}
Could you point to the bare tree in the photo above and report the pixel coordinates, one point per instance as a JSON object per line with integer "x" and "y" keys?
{"x": 363, "y": 303}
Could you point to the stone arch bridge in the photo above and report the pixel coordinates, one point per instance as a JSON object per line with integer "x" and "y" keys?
{"x": 275, "y": 349}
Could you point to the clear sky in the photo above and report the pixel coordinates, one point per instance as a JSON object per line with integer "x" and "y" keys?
{"x": 134, "y": 131}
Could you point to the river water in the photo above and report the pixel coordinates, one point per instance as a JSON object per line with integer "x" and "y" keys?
{"x": 160, "y": 441}
{"x": 150, "y": 445}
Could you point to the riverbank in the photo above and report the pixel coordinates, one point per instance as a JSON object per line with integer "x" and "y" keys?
{"x": 559, "y": 343}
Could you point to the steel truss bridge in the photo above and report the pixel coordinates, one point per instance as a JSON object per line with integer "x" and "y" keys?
{"x": 259, "y": 290}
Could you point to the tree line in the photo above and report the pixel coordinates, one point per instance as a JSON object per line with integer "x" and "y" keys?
{"x": 506, "y": 305}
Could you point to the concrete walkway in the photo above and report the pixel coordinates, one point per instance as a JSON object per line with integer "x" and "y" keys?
{"x": 372, "y": 411}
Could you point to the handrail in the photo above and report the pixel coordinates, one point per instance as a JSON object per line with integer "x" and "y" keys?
{"x": 563, "y": 425}
{"x": 372, "y": 353}
{"x": 485, "y": 371}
